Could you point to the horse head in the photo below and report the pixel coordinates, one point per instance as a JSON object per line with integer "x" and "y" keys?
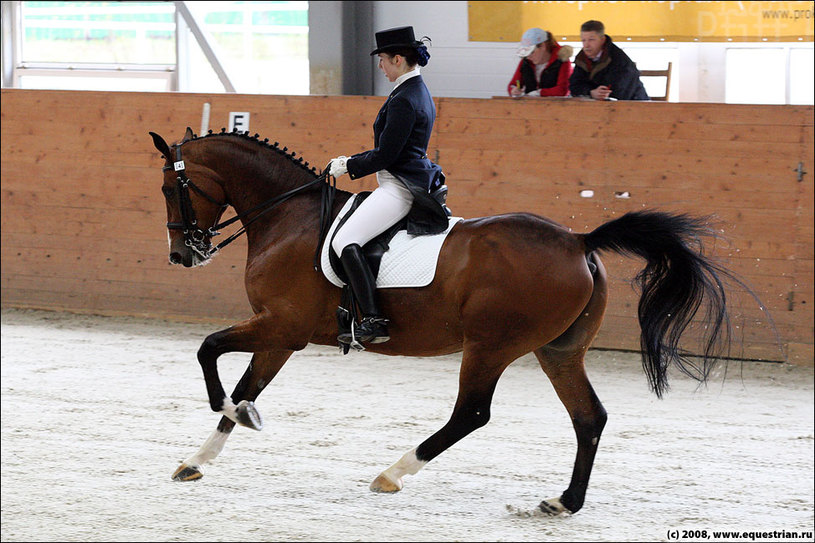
{"x": 193, "y": 207}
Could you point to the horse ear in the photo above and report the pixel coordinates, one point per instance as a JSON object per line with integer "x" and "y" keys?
{"x": 161, "y": 145}
{"x": 188, "y": 135}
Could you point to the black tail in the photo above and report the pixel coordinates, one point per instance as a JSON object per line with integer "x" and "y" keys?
{"x": 677, "y": 279}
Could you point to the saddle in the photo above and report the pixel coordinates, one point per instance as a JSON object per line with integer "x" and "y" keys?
{"x": 425, "y": 218}
{"x": 429, "y": 215}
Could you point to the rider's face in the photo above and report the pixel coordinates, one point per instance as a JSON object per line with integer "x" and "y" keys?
{"x": 391, "y": 66}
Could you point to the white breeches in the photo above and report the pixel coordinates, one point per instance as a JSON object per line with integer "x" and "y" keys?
{"x": 385, "y": 206}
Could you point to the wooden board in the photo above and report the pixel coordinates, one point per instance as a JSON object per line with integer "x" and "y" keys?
{"x": 83, "y": 219}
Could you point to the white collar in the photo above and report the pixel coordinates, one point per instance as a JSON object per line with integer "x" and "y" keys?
{"x": 404, "y": 77}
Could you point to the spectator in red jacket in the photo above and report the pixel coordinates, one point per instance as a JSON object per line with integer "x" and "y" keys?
{"x": 545, "y": 67}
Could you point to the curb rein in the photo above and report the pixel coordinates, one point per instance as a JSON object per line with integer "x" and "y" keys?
{"x": 195, "y": 236}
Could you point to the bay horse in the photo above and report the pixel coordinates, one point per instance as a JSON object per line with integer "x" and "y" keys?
{"x": 505, "y": 286}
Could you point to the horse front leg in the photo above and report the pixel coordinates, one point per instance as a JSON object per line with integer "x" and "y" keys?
{"x": 568, "y": 376}
{"x": 262, "y": 369}
{"x": 191, "y": 468}
{"x": 252, "y": 335}
{"x": 477, "y": 380}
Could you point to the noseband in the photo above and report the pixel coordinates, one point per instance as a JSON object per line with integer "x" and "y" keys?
{"x": 196, "y": 238}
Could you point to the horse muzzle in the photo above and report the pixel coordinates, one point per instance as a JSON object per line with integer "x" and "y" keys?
{"x": 189, "y": 253}
{"x": 188, "y": 258}
{"x": 177, "y": 257}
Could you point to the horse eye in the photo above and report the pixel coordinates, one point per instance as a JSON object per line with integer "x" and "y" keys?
{"x": 169, "y": 192}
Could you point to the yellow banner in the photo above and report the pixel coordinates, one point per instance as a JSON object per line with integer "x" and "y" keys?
{"x": 647, "y": 21}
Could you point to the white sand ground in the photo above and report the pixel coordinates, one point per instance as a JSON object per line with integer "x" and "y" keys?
{"x": 97, "y": 412}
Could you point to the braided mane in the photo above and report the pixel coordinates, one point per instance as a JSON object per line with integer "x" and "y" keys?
{"x": 264, "y": 143}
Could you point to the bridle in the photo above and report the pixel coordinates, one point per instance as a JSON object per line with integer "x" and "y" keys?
{"x": 195, "y": 237}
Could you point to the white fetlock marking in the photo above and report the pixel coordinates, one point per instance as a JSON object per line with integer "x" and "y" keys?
{"x": 407, "y": 465}
{"x": 211, "y": 448}
{"x": 229, "y": 410}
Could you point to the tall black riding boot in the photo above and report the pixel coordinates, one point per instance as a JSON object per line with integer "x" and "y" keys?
{"x": 373, "y": 328}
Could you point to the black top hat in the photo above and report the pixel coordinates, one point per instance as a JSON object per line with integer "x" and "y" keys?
{"x": 395, "y": 37}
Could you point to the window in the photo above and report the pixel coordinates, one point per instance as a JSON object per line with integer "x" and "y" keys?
{"x": 802, "y": 76}
{"x": 39, "y": 79}
{"x": 772, "y": 75}
{"x": 755, "y": 76}
{"x": 96, "y": 46}
{"x": 261, "y": 46}
{"x": 264, "y": 46}
{"x": 98, "y": 32}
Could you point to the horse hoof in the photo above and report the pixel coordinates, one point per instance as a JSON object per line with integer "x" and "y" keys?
{"x": 187, "y": 473}
{"x": 553, "y": 507}
{"x": 248, "y": 416}
{"x": 384, "y": 484}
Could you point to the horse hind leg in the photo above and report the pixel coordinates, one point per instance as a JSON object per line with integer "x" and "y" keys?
{"x": 563, "y": 362}
{"x": 262, "y": 369}
{"x": 477, "y": 381}
{"x": 588, "y": 416}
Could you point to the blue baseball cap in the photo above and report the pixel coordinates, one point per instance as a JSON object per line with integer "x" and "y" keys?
{"x": 530, "y": 40}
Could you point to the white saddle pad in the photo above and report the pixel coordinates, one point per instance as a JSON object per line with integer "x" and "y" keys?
{"x": 409, "y": 262}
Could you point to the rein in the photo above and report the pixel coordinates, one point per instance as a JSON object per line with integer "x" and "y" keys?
{"x": 195, "y": 236}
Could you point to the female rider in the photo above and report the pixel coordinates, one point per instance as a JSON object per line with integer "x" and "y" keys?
{"x": 399, "y": 159}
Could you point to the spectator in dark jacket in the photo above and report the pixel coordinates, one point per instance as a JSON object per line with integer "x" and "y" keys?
{"x": 602, "y": 70}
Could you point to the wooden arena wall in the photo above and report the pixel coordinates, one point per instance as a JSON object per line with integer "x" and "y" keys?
{"x": 83, "y": 219}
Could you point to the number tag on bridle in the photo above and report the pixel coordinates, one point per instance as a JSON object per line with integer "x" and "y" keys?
{"x": 178, "y": 166}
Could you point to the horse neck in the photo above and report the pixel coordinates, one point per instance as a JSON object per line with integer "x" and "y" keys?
{"x": 253, "y": 175}
{"x": 250, "y": 173}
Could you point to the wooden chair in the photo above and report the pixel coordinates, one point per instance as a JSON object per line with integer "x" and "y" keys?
{"x": 660, "y": 73}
